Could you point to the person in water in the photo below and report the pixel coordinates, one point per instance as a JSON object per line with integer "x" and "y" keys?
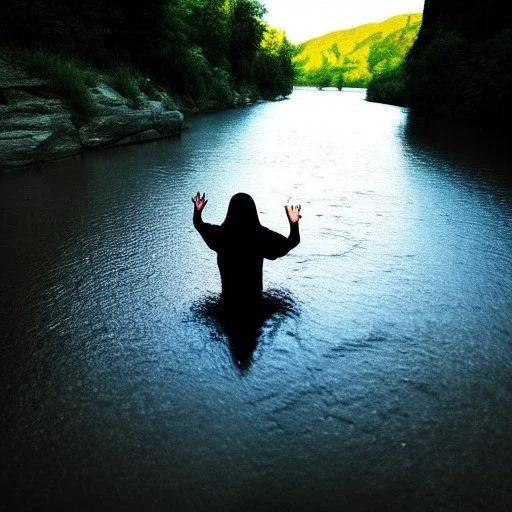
{"x": 241, "y": 244}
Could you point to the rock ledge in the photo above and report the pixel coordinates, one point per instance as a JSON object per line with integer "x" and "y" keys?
{"x": 36, "y": 125}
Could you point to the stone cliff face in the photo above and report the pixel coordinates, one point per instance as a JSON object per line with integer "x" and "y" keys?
{"x": 475, "y": 21}
{"x": 36, "y": 125}
{"x": 460, "y": 65}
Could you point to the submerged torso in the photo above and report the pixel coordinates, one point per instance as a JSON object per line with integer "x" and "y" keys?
{"x": 240, "y": 260}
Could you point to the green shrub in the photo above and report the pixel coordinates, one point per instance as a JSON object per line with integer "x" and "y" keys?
{"x": 249, "y": 91}
{"x": 388, "y": 88}
{"x": 150, "y": 89}
{"x": 221, "y": 89}
{"x": 167, "y": 102}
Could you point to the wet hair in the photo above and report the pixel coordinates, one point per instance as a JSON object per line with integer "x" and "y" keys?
{"x": 242, "y": 213}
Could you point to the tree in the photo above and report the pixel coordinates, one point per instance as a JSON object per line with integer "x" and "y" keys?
{"x": 274, "y": 71}
{"x": 339, "y": 80}
{"x": 246, "y": 34}
{"x": 322, "y": 76}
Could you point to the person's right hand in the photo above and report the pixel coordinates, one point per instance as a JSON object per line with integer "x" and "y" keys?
{"x": 293, "y": 213}
{"x": 199, "y": 202}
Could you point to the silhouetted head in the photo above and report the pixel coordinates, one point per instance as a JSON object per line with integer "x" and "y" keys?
{"x": 242, "y": 213}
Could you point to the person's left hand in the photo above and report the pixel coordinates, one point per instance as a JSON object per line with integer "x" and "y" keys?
{"x": 293, "y": 213}
{"x": 199, "y": 202}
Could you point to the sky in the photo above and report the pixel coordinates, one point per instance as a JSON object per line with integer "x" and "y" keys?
{"x": 306, "y": 19}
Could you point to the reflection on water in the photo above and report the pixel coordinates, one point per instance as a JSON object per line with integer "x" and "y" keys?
{"x": 244, "y": 329}
{"x": 470, "y": 149}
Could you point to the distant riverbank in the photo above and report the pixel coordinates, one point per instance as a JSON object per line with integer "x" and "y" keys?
{"x": 333, "y": 89}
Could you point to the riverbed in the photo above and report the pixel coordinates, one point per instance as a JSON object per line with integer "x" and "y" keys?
{"x": 381, "y": 378}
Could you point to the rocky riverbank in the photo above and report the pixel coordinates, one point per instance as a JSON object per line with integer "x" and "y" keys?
{"x": 37, "y": 125}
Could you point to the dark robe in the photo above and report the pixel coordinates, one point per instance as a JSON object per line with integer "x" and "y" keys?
{"x": 241, "y": 244}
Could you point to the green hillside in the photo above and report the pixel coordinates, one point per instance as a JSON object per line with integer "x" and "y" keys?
{"x": 353, "y": 57}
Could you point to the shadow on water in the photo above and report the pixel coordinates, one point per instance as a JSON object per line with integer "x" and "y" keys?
{"x": 243, "y": 329}
{"x": 478, "y": 152}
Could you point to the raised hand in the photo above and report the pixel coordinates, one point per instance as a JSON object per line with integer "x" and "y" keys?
{"x": 199, "y": 202}
{"x": 293, "y": 213}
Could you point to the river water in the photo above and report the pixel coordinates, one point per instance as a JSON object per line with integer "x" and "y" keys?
{"x": 381, "y": 378}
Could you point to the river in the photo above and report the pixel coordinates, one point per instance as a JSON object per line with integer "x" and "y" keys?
{"x": 381, "y": 380}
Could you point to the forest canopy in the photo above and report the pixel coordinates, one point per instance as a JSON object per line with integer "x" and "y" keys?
{"x": 197, "y": 48}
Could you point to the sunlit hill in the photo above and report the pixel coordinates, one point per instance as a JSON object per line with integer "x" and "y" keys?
{"x": 354, "y": 56}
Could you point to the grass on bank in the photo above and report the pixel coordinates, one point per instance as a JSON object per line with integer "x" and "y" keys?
{"x": 71, "y": 77}
{"x": 67, "y": 75}
{"x": 126, "y": 83}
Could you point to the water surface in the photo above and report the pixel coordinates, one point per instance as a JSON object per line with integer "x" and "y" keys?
{"x": 381, "y": 378}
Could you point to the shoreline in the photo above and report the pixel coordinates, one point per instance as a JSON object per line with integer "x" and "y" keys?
{"x": 39, "y": 125}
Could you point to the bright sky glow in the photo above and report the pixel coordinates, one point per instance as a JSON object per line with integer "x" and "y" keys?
{"x": 306, "y": 19}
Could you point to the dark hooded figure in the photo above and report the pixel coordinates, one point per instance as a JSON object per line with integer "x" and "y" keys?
{"x": 241, "y": 244}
